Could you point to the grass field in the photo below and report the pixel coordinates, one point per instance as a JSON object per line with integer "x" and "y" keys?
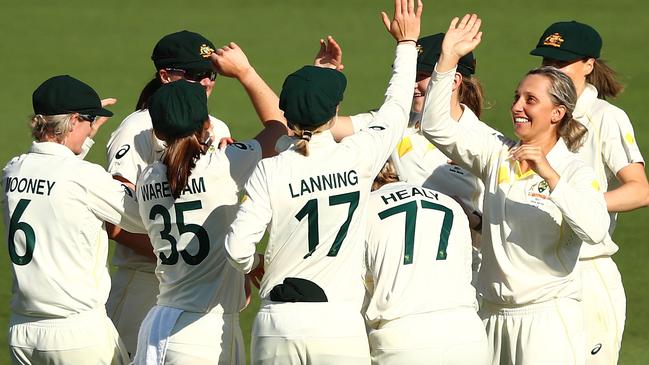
{"x": 108, "y": 45}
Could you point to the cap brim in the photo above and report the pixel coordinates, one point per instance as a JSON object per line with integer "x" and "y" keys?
{"x": 555, "y": 54}
{"x": 98, "y": 112}
{"x": 425, "y": 68}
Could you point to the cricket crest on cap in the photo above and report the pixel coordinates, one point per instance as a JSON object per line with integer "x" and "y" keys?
{"x": 420, "y": 49}
{"x": 553, "y": 40}
{"x": 205, "y": 51}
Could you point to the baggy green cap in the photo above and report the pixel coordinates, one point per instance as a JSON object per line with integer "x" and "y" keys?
{"x": 567, "y": 41}
{"x": 183, "y": 50}
{"x": 178, "y": 108}
{"x": 311, "y": 94}
{"x": 429, "y": 49}
{"x": 64, "y": 94}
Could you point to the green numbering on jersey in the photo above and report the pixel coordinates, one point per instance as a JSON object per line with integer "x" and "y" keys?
{"x": 30, "y": 237}
{"x": 410, "y": 209}
{"x": 200, "y": 232}
{"x": 310, "y": 209}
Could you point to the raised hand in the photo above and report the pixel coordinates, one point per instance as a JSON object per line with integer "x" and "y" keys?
{"x": 462, "y": 37}
{"x": 101, "y": 120}
{"x": 230, "y": 61}
{"x": 330, "y": 55}
{"x": 406, "y": 22}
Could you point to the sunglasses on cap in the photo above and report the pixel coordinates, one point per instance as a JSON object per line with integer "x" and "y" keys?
{"x": 195, "y": 75}
{"x": 88, "y": 117}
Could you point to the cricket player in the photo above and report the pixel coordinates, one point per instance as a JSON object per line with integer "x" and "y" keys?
{"x": 422, "y": 308}
{"x": 610, "y": 148}
{"x": 541, "y": 203}
{"x": 55, "y": 206}
{"x": 315, "y": 194}
{"x": 182, "y": 55}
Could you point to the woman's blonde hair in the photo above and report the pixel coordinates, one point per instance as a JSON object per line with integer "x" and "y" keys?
{"x": 55, "y": 127}
{"x": 470, "y": 94}
{"x": 562, "y": 93}
{"x": 305, "y": 134}
{"x": 604, "y": 78}
{"x": 387, "y": 175}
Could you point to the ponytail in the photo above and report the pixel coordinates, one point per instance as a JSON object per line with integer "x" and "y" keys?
{"x": 304, "y": 135}
{"x": 604, "y": 78}
{"x": 147, "y": 91}
{"x": 572, "y": 133}
{"x": 470, "y": 94}
{"x": 180, "y": 158}
{"x": 50, "y": 127}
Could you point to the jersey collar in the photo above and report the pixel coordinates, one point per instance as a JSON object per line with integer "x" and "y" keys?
{"x": 51, "y": 148}
{"x": 584, "y": 102}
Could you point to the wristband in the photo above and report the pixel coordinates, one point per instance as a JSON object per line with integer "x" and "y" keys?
{"x": 407, "y": 40}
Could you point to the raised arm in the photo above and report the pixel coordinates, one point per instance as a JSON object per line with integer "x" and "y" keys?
{"x": 231, "y": 61}
{"x": 470, "y": 148}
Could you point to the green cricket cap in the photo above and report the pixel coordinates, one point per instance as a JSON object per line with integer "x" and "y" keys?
{"x": 183, "y": 50}
{"x": 567, "y": 41}
{"x": 178, "y": 108}
{"x": 64, "y": 94}
{"x": 311, "y": 94}
{"x": 430, "y": 47}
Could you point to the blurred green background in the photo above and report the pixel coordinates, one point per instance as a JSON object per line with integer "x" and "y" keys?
{"x": 108, "y": 45}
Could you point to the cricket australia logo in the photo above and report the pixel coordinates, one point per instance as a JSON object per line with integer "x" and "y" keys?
{"x": 420, "y": 49}
{"x": 543, "y": 186}
{"x": 553, "y": 40}
{"x": 206, "y": 50}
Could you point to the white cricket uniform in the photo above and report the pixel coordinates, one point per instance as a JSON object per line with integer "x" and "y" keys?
{"x": 55, "y": 205}
{"x": 531, "y": 238}
{"x": 316, "y": 207}
{"x": 419, "y": 162}
{"x": 609, "y": 146}
{"x": 187, "y": 236}
{"x": 418, "y": 259}
{"x": 131, "y": 148}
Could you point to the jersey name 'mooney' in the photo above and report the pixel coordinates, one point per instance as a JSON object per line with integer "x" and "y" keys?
{"x": 324, "y": 182}
{"x": 407, "y": 193}
{"x": 161, "y": 190}
{"x": 29, "y": 185}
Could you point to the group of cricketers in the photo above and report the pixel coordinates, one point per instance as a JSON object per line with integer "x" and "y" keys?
{"x": 411, "y": 234}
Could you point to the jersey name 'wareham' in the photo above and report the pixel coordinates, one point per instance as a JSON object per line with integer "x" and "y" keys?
{"x": 323, "y": 182}
{"x": 28, "y": 185}
{"x": 161, "y": 190}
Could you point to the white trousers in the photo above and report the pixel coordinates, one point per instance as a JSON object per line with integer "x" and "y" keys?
{"x": 309, "y": 333}
{"x": 546, "y": 333}
{"x": 132, "y": 294}
{"x": 85, "y": 338}
{"x": 604, "y": 306}
{"x": 449, "y": 337}
{"x": 180, "y": 337}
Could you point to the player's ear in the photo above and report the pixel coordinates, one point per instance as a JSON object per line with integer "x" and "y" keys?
{"x": 165, "y": 77}
{"x": 457, "y": 81}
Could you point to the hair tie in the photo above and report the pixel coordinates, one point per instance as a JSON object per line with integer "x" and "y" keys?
{"x": 306, "y": 135}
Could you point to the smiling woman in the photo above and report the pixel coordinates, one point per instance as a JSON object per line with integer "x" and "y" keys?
{"x": 540, "y": 204}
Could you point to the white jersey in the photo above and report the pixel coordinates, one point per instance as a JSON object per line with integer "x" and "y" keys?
{"x": 316, "y": 205}
{"x": 419, "y": 162}
{"x": 418, "y": 253}
{"x": 609, "y": 146}
{"x": 55, "y": 205}
{"x": 530, "y": 236}
{"x": 131, "y": 148}
{"x": 187, "y": 234}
